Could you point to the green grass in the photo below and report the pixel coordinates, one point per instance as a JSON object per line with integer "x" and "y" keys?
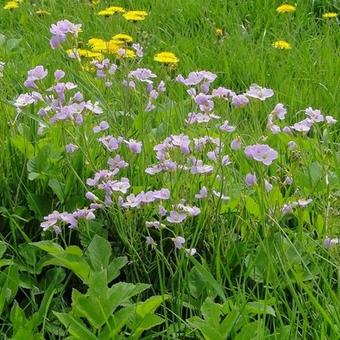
{"x": 257, "y": 274}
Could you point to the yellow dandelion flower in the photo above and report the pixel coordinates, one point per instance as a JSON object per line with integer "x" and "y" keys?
{"x": 42, "y": 12}
{"x": 95, "y": 2}
{"x": 11, "y": 5}
{"x": 282, "y": 45}
{"x": 116, "y": 9}
{"x": 135, "y": 15}
{"x": 166, "y": 58}
{"x": 95, "y": 41}
{"x": 330, "y": 15}
{"x": 219, "y": 32}
{"x": 121, "y": 38}
{"x": 79, "y": 52}
{"x": 286, "y": 8}
{"x": 111, "y": 11}
{"x": 105, "y": 46}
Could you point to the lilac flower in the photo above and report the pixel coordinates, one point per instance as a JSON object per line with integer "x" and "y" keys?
{"x": 162, "y": 211}
{"x": 239, "y": 100}
{"x": 59, "y": 74}
{"x": 55, "y": 218}
{"x": 223, "y": 93}
{"x": 200, "y": 168}
{"x": 149, "y": 107}
{"x": 60, "y": 30}
{"x": 181, "y": 141}
{"x": 111, "y": 143}
{"x": 251, "y": 180}
{"x": 303, "y": 126}
{"x": 161, "y": 87}
{"x": 150, "y": 241}
{"x": 220, "y": 195}
{"x": 288, "y": 180}
{"x": 227, "y": 128}
{"x": 271, "y": 126}
{"x": 142, "y": 74}
{"x": 70, "y": 148}
{"x": 226, "y": 160}
{"x": 86, "y": 214}
{"x": 23, "y": 100}
{"x": 117, "y": 163}
{"x": 197, "y": 118}
{"x": 331, "y": 242}
{"x": 139, "y": 50}
{"x": 119, "y": 186}
{"x": 262, "y": 153}
{"x": 292, "y": 145}
{"x": 163, "y": 194}
{"x": 195, "y": 78}
{"x": 236, "y": 144}
{"x": 91, "y": 196}
{"x": 191, "y": 251}
{"x": 37, "y": 73}
{"x": 287, "y": 130}
{"x": 279, "y": 111}
{"x": 304, "y": 202}
{"x": 204, "y": 102}
{"x": 178, "y": 241}
{"x": 203, "y": 193}
{"x": 287, "y": 209}
{"x": 94, "y": 107}
{"x": 134, "y": 146}
{"x": 268, "y": 186}
{"x": 330, "y": 120}
{"x": 176, "y": 217}
{"x": 315, "y": 115}
{"x": 191, "y": 211}
{"x": 101, "y": 176}
{"x": 101, "y": 127}
{"x": 154, "y": 224}
{"x": 258, "y": 92}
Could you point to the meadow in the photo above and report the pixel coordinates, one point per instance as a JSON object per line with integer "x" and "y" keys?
{"x": 170, "y": 169}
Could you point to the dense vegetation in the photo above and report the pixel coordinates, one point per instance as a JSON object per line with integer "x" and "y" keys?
{"x": 150, "y": 188}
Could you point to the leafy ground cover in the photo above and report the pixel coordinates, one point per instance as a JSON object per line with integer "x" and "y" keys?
{"x": 170, "y": 169}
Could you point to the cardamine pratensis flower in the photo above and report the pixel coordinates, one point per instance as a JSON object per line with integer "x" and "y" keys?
{"x": 60, "y": 30}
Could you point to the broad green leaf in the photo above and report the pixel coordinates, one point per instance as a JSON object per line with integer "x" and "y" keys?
{"x": 115, "y": 266}
{"x": 252, "y": 207}
{"x": 75, "y": 326}
{"x": 208, "y": 279}
{"x": 211, "y": 312}
{"x": 58, "y": 188}
{"x": 116, "y": 322}
{"x": 9, "y": 283}
{"x": 227, "y": 325}
{"x": 209, "y": 331}
{"x": 99, "y": 253}
{"x": 146, "y": 323}
{"x": 150, "y": 305}
{"x": 23, "y": 145}
{"x": 259, "y": 307}
{"x": 49, "y": 246}
{"x": 70, "y": 258}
